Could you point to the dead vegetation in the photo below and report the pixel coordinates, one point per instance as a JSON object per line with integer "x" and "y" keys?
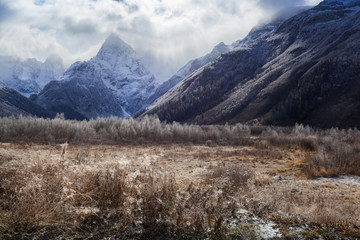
{"x": 334, "y": 159}
{"x": 98, "y": 185}
{"x": 56, "y": 196}
{"x": 118, "y": 131}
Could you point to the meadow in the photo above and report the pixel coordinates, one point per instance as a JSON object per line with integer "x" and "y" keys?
{"x": 116, "y": 178}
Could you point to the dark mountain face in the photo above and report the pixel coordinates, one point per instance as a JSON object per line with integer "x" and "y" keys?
{"x": 307, "y": 71}
{"x": 13, "y": 103}
{"x": 80, "y": 96}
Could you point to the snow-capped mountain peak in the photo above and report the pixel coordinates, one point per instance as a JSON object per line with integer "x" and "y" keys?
{"x": 114, "y": 82}
{"x": 123, "y": 72}
{"x": 118, "y": 56}
{"x": 113, "y": 48}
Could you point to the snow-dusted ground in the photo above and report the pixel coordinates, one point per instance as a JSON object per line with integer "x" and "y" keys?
{"x": 265, "y": 229}
{"x": 351, "y": 181}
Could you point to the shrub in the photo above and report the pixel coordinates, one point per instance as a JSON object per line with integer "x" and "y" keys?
{"x": 233, "y": 178}
{"x": 333, "y": 160}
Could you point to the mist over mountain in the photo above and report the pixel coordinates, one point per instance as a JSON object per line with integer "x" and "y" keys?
{"x": 29, "y": 76}
{"x": 306, "y": 71}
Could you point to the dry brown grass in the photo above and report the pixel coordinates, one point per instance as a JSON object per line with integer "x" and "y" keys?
{"x": 104, "y": 183}
{"x": 80, "y": 194}
{"x": 151, "y": 192}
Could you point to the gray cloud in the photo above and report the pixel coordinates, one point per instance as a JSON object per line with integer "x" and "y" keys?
{"x": 165, "y": 33}
{"x": 131, "y": 8}
{"x": 211, "y": 18}
{"x": 284, "y": 8}
{"x": 39, "y": 2}
{"x": 84, "y": 26}
{"x": 231, "y": 7}
{"x": 278, "y": 5}
{"x": 5, "y": 12}
{"x": 142, "y": 25}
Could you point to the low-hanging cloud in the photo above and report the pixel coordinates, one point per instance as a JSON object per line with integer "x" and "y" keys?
{"x": 284, "y": 8}
{"x": 165, "y": 33}
{"x": 84, "y": 26}
{"x": 277, "y": 5}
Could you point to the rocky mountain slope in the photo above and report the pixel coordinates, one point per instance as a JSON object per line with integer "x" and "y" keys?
{"x": 113, "y": 83}
{"x": 29, "y": 76}
{"x": 13, "y": 103}
{"x": 306, "y": 71}
{"x": 188, "y": 69}
{"x": 195, "y": 64}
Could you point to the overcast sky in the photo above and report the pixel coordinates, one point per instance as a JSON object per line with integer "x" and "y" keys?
{"x": 167, "y": 33}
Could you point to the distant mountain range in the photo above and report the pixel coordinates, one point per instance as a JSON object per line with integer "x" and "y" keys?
{"x": 29, "y": 76}
{"x": 305, "y": 69}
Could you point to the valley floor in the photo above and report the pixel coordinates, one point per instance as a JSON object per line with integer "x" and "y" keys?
{"x": 170, "y": 191}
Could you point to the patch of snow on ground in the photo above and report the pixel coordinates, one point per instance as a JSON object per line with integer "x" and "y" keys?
{"x": 346, "y": 180}
{"x": 265, "y": 229}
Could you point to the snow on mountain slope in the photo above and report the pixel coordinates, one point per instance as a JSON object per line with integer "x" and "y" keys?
{"x": 188, "y": 69}
{"x": 124, "y": 74}
{"x": 29, "y": 76}
{"x": 259, "y": 31}
{"x": 113, "y": 83}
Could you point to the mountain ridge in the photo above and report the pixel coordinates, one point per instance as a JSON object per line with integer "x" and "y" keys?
{"x": 197, "y": 63}
{"x": 276, "y": 79}
{"x": 13, "y": 103}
